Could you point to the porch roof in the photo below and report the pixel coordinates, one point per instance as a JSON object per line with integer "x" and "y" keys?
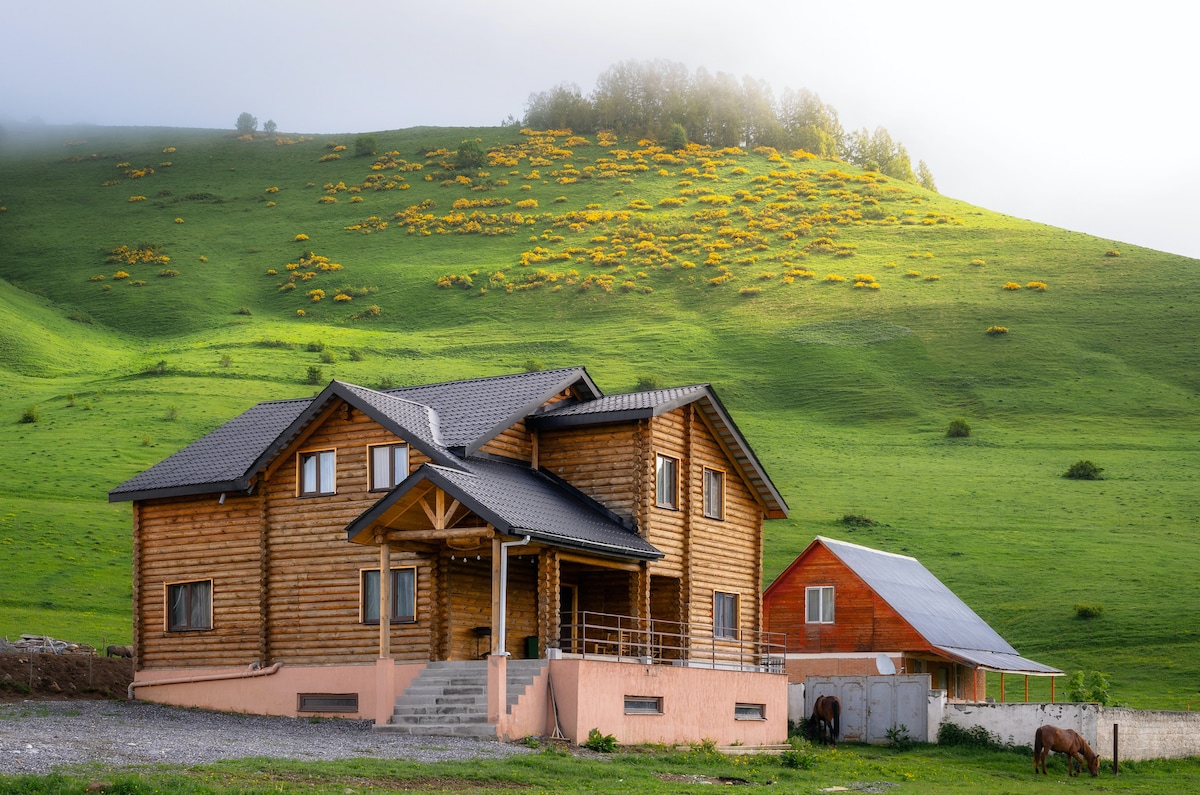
{"x": 998, "y": 661}
{"x": 517, "y": 500}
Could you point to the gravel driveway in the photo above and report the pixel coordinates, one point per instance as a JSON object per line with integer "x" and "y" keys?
{"x": 42, "y": 736}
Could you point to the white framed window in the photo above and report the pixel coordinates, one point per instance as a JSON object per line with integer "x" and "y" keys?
{"x": 388, "y": 465}
{"x": 749, "y": 711}
{"x": 818, "y": 605}
{"x": 714, "y": 493}
{"x": 666, "y": 482}
{"x": 404, "y": 596}
{"x": 725, "y": 615}
{"x": 189, "y": 605}
{"x": 318, "y": 473}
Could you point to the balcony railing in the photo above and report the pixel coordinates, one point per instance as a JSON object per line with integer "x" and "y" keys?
{"x": 655, "y": 641}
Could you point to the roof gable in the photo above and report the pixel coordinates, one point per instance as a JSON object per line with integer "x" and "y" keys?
{"x": 438, "y": 419}
{"x": 644, "y": 405}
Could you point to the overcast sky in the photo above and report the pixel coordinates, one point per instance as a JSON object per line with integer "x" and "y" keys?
{"x": 1078, "y": 114}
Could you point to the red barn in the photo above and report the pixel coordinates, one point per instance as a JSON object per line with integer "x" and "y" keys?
{"x": 842, "y": 605}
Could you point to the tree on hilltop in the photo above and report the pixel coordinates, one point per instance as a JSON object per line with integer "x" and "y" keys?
{"x": 246, "y": 124}
{"x": 269, "y": 126}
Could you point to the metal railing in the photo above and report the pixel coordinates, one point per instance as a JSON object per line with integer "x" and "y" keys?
{"x": 655, "y": 641}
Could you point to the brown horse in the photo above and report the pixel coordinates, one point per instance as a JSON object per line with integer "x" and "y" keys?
{"x": 827, "y": 713}
{"x": 1065, "y": 741}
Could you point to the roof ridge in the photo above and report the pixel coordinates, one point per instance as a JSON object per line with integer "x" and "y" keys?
{"x": 872, "y": 550}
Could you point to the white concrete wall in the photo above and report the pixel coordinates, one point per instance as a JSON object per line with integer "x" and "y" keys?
{"x": 1141, "y": 734}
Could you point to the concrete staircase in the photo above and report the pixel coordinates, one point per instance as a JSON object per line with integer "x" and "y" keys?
{"x": 449, "y": 698}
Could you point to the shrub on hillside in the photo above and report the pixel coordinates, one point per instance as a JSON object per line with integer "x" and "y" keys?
{"x": 1086, "y": 611}
{"x": 314, "y": 375}
{"x": 958, "y": 429}
{"x": 1084, "y": 470}
{"x": 31, "y": 414}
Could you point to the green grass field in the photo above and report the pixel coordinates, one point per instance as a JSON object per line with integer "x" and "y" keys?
{"x": 640, "y": 265}
{"x": 922, "y": 769}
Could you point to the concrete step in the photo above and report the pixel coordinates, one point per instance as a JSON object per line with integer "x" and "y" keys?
{"x": 482, "y": 731}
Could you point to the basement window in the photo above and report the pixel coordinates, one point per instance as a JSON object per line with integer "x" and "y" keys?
{"x": 643, "y": 705}
{"x": 749, "y": 711}
{"x": 327, "y": 702}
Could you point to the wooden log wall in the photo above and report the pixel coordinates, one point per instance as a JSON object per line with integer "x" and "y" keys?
{"x": 597, "y": 460}
{"x": 188, "y": 539}
{"x": 314, "y": 608}
{"x": 722, "y": 555}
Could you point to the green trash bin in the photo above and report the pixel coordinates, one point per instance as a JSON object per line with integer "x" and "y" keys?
{"x": 531, "y": 647}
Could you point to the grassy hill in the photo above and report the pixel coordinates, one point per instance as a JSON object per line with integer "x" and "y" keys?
{"x": 644, "y": 266}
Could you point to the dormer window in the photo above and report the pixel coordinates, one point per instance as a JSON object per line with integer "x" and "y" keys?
{"x": 389, "y": 465}
{"x": 318, "y": 473}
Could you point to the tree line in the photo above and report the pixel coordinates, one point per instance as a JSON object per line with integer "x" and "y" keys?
{"x": 664, "y": 101}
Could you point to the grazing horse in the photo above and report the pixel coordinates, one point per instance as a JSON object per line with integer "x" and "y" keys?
{"x": 827, "y": 712}
{"x": 1065, "y": 741}
{"x": 118, "y": 651}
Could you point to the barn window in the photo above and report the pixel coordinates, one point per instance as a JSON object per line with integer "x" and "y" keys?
{"x": 818, "y": 605}
{"x": 666, "y": 482}
{"x": 189, "y": 606}
{"x": 725, "y": 615}
{"x": 714, "y": 493}
{"x": 317, "y": 473}
{"x": 389, "y": 465}
{"x": 404, "y": 596}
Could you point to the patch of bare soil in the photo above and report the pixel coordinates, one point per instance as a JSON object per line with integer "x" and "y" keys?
{"x": 62, "y": 677}
{"x": 687, "y": 778}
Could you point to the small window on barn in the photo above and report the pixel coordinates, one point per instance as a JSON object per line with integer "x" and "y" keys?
{"x": 389, "y": 465}
{"x": 818, "y": 605}
{"x": 725, "y": 615}
{"x": 643, "y": 705}
{"x": 666, "y": 482}
{"x": 749, "y": 711}
{"x": 714, "y": 494}
{"x": 189, "y": 606}
{"x": 404, "y": 596}
{"x": 318, "y": 471}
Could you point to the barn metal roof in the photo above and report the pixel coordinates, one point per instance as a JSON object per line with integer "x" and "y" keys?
{"x": 932, "y": 609}
{"x": 644, "y": 405}
{"x": 517, "y": 501}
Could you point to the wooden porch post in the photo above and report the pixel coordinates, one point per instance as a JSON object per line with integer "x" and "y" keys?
{"x": 385, "y": 596}
{"x": 496, "y": 606}
{"x": 549, "y": 597}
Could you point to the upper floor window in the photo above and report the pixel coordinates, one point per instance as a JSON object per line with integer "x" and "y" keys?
{"x": 389, "y": 465}
{"x": 818, "y": 605}
{"x": 189, "y": 605}
{"x": 318, "y": 472}
{"x": 666, "y": 482}
{"x": 725, "y": 615}
{"x": 404, "y": 596}
{"x": 714, "y": 493}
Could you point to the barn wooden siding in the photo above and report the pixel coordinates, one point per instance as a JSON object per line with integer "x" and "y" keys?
{"x": 863, "y": 622}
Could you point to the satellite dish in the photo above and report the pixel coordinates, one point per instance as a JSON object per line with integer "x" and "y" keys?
{"x": 884, "y": 664}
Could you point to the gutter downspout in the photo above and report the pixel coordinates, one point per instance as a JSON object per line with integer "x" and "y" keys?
{"x": 251, "y": 672}
{"x": 504, "y": 591}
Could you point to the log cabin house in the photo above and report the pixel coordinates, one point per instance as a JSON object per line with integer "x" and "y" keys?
{"x": 842, "y": 605}
{"x": 615, "y": 541}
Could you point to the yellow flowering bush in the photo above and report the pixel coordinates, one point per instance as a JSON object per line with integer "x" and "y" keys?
{"x": 137, "y": 198}
{"x": 1039, "y": 286}
{"x": 179, "y": 220}
{"x": 527, "y": 204}
{"x": 1112, "y": 252}
{"x": 273, "y": 189}
{"x": 120, "y": 275}
{"x": 316, "y": 295}
{"x": 996, "y": 330}
{"x": 978, "y": 262}
{"x": 912, "y": 274}
{"x": 933, "y": 277}
{"x": 300, "y": 237}
{"x": 328, "y": 157}
{"x": 834, "y": 278}
{"x": 1011, "y": 286}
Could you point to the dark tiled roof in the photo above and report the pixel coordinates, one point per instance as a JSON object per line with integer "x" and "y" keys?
{"x": 433, "y": 418}
{"x": 931, "y": 608}
{"x": 518, "y": 501}
{"x": 474, "y": 411}
{"x": 643, "y": 405}
{"x": 217, "y": 461}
